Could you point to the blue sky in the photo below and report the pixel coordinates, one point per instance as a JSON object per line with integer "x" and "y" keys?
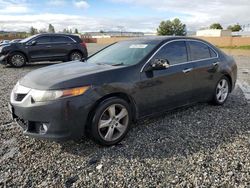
{"x": 131, "y": 15}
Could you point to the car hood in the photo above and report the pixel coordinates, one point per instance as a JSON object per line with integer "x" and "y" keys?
{"x": 7, "y": 46}
{"x": 65, "y": 75}
{"x": 4, "y": 45}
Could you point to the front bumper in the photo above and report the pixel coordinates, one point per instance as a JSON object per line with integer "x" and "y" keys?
{"x": 63, "y": 119}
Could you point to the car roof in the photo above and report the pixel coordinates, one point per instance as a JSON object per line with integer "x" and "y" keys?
{"x": 74, "y": 36}
{"x": 163, "y": 38}
{"x": 57, "y": 34}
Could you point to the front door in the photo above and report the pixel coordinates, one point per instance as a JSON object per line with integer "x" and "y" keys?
{"x": 171, "y": 87}
{"x": 41, "y": 50}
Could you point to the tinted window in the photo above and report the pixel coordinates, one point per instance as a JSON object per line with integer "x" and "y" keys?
{"x": 174, "y": 52}
{"x": 212, "y": 53}
{"x": 44, "y": 39}
{"x": 198, "y": 50}
{"x": 61, "y": 39}
{"x": 76, "y": 38}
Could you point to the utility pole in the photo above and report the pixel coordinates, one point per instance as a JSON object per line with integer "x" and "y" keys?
{"x": 121, "y": 28}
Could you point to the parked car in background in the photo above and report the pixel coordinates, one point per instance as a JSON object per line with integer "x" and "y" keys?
{"x": 15, "y": 40}
{"x": 126, "y": 81}
{"x": 44, "y": 47}
{"x": 4, "y": 42}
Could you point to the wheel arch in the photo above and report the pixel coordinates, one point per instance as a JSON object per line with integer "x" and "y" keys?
{"x": 75, "y": 50}
{"x": 120, "y": 95}
{"x": 230, "y": 80}
{"x": 18, "y": 51}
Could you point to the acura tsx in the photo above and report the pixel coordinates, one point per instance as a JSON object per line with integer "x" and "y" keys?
{"x": 123, "y": 82}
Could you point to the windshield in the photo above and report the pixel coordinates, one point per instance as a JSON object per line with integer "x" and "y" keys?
{"x": 27, "y": 39}
{"x": 15, "y": 41}
{"x": 123, "y": 53}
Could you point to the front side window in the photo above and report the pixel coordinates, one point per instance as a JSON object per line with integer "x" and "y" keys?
{"x": 123, "y": 53}
{"x": 174, "y": 52}
{"x": 199, "y": 51}
{"x": 42, "y": 40}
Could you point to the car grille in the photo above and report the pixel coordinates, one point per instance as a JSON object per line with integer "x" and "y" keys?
{"x": 24, "y": 124}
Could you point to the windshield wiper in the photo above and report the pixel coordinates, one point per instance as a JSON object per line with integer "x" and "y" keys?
{"x": 118, "y": 64}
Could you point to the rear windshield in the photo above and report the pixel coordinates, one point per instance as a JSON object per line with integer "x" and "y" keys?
{"x": 123, "y": 53}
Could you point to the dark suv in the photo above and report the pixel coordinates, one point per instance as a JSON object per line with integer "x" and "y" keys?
{"x": 44, "y": 47}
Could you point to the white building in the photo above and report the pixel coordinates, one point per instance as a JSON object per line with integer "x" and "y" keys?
{"x": 214, "y": 33}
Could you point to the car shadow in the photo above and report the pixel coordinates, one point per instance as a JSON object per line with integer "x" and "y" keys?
{"x": 200, "y": 128}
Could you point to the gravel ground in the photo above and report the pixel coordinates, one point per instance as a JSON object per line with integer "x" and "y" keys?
{"x": 199, "y": 146}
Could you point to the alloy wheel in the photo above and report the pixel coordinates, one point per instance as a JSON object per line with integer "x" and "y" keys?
{"x": 222, "y": 90}
{"x": 17, "y": 60}
{"x": 113, "y": 122}
{"x": 76, "y": 56}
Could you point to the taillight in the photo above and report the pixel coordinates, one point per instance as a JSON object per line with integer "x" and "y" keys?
{"x": 83, "y": 44}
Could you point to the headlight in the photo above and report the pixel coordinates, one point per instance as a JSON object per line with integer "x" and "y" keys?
{"x": 42, "y": 96}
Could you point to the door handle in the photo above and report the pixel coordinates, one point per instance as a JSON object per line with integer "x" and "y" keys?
{"x": 48, "y": 46}
{"x": 187, "y": 70}
{"x": 215, "y": 64}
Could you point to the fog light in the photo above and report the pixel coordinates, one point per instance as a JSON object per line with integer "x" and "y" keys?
{"x": 43, "y": 128}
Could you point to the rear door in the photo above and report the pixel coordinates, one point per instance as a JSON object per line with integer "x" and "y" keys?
{"x": 206, "y": 68}
{"x": 171, "y": 87}
{"x": 61, "y": 46}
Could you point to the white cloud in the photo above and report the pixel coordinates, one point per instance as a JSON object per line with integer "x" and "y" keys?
{"x": 10, "y": 7}
{"x": 81, "y": 4}
{"x": 83, "y": 23}
{"x": 41, "y": 21}
{"x": 14, "y": 9}
{"x": 198, "y": 13}
{"x": 195, "y": 14}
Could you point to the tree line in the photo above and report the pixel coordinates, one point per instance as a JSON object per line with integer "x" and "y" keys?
{"x": 234, "y": 28}
{"x": 51, "y": 29}
{"x": 168, "y": 27}
{"x": 176, "y": 27}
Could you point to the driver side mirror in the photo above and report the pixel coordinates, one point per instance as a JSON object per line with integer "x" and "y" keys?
{"x": 159, "y": 64}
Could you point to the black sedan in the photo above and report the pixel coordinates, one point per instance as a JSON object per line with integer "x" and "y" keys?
{"x": 122, "y": 83}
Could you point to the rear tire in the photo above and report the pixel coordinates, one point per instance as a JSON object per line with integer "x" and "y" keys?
{"x": 221, "y": 91}
{"x": 75, "y": 56}
{"x": 111, "y": 121}
{"x": 17, "y": 60}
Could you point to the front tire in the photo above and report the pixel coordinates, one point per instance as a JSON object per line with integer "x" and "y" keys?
{"x": 111, "y": 121}
{"x": 17, "y": 60}
{"x": 221, "y": 91}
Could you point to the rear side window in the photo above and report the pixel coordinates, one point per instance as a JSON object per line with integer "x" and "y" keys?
{"x": 76, "y": 38}
{"x": 42, "y": 40}
{"x": 212, "y": 53}
{"x": 61, "y": 39}
{"x": 174, "y": 52}
{"x": 199, "y": 50}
